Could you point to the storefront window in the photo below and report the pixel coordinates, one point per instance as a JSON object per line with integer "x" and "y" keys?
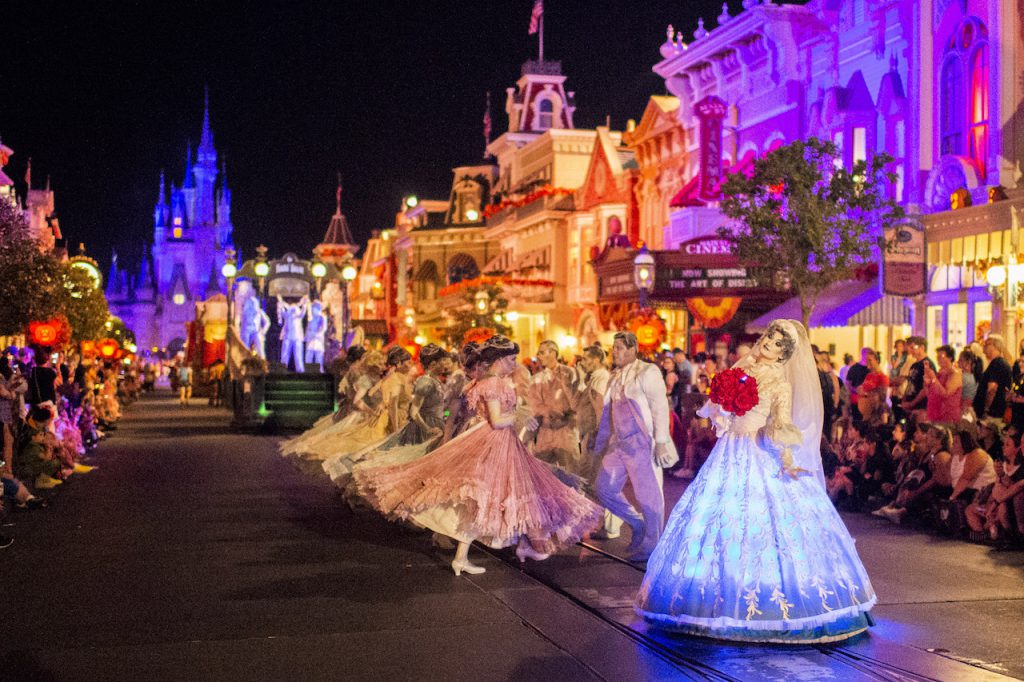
{"x": 956, "y": 325}
{"x": 934, "y": 327}
{"x": 982, "y": 319}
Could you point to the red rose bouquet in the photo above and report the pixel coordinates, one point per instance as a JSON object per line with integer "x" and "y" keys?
{"x": 734, "y": 391}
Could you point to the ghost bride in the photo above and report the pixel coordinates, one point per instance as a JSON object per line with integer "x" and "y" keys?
{"x": 754, "y": 550}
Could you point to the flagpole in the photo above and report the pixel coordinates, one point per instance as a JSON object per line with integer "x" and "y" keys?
{"x": 541, "y": 31}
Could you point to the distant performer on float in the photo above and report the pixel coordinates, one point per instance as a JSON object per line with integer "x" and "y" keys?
{"x": 254, "y": 326}
{"x": 316, "y": 333}
{"x": 289, "y": 316}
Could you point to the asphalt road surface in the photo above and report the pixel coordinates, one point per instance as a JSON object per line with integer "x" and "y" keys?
{"x": 194, "y": 553}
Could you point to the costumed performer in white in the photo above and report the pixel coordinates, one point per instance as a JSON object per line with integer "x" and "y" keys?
{"x": 316, "y": 334}
{"x": 634, "y": 443}
{"x": 254, "y": 325}
{"x": 754, "y": 550}
{"x": 289, "y": 316}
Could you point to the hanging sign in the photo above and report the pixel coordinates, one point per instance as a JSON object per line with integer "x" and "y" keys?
{"x": 711, "y": 112}
{"x": 904, "y": 266}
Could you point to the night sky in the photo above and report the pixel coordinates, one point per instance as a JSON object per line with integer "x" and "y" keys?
{"x": 391, "y": 94}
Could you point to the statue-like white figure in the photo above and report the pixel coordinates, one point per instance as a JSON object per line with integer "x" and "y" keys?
{"x": 254, "y": 325}
{"x": 289, "y": 316}
{"x": 634, "y": 442}
{"x": 316, "y": 332}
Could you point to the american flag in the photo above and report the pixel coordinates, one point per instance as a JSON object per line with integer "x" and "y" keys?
{"x": 535, "y": 16}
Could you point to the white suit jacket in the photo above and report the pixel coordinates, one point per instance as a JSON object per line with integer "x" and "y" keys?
{"x": 645, "y": 387}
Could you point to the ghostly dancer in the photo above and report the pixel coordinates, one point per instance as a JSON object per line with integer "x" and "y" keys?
{"x": 289, "y": 316}
{"x": 316, "y": 332}
{"x": 550, "y": 398}
{"x": 755, "y": 551}
{"x": 254, "y": 325}
{"x": 589, "y": 402}
{"x": 634, "y": 441}
{"x": 395, "y": 392}
{"x": 485, "y": 485}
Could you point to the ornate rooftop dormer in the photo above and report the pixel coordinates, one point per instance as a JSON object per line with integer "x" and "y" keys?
{"x": 540, "y": 101}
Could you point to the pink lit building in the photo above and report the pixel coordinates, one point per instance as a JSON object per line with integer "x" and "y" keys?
{"x": 934, "y": 83}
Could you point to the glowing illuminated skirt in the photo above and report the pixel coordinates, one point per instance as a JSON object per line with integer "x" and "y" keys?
{"x": 751, "y": 555}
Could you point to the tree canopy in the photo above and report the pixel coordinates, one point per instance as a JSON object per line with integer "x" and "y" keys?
{"x": 805, "y": 221}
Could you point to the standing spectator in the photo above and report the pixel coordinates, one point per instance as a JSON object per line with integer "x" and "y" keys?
{"x": 990, "y": 401}
{"x": 216, "y": 381}
{"x": 684, "y": 367}
{"x": 706, "y": 370}
{"x": 185, "y": 383}
{"x": 873, "y": 390}
{"x": 970, "y": 374}
{"x": 829, "y": 391}
{"x": 1016, "y": 395}
{"x": 944, "y": 388}
{"x": 44, "y": 379}
{"x": 11, "y": 383}
{"x": 847, "y": 363}
{"x": 855, "y": 376}
{"x": 897, "y": 361}
{"x": 915, "y": 397}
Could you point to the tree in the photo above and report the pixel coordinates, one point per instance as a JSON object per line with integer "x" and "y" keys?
{"x": 31, "y": 280}
{"x": 84, "y": 305}
{"x": 469, "y": 317}
{"x": 803, "y": 220}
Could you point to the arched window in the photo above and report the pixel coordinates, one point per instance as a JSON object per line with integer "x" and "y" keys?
{"x": 462, "y": 266}
{"x": 951, "y": 106}
{"x": 979, "y": 108}
{"x": 546, "y": 118}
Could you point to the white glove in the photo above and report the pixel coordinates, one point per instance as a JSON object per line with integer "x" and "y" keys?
{"x": 665, "y": 456}
{"x": 532, "y": 424}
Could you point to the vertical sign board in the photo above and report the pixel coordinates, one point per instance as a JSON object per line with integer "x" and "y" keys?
{"x": 904, "y": 266}
{"x": 710, "y": 111}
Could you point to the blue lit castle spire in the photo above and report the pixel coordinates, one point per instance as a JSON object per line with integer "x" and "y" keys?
{"x": 191, "y": 229}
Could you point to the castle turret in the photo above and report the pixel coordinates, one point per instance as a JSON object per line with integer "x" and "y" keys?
{"x": 205, "y": 172}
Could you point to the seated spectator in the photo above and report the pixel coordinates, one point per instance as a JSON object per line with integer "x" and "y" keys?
{"x": 972, "y": 474}
{"x": 1001, "y": 516}
{"x": 903, "y": 460}
{"x": 34, "y": 458}
{"x": 990, "y": 437}
{"x": 853, "y": 451}
{"x": 928, "y": 476}
{"x": 877, "y": 469}
{"x": 944, "y": 388}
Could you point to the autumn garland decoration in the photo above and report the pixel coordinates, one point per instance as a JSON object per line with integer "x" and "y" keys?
{"x": 734, "y": 391}
{"x": 545, "y": 191}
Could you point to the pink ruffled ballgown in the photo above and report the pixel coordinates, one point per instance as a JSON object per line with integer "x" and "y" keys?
{"x": 483, "y": 486}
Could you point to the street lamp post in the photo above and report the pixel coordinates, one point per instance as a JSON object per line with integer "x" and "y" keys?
{"x": 229, "y": 270}
{"x": 319, "y": 271}
{"x": 643, "y": 274}
{"x": 262, "y": 269}
{"x": 348, "y": 274}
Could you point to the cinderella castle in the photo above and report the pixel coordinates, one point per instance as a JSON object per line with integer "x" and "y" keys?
{"x": 191, "y": 230}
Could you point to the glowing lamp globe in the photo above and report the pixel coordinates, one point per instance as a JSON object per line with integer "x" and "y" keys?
{"x": 996, "y": 275}
{"x": 319, "y": 270}
{"x": 229, "y": 270}
{"x": 262, "y": 269}
{"x": 412, "y": 201}
{"x": 349, "y": 272}
{"x": 472, "y": 215}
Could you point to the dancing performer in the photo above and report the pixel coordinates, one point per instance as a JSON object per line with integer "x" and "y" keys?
{"x": 395, "y": 393}
{"x": 318, "y": 444}
{"x": 460, "y": 415}
{"x": 423, "y": 431}
{"x": 289, "y": 316}
{"x": 589, "y": 402}
{"x": 485, "y": 485}
{"x": 254, "y": 325}
{"x": 634, "y": 444}
{"x": 550, "y": 398}
{"x": 316, "y": 333}
{"x": 754, "y": 550}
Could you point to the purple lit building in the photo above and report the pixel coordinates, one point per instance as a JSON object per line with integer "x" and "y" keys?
{"x": 191, "y": 230}
{"x": 934, "y": 83}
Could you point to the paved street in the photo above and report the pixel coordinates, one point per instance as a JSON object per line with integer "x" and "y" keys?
{"x": 194, "y": 553}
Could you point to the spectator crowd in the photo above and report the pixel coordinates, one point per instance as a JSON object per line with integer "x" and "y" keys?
{"x": 54, "y": 411}
{"x": 931, "y": 439}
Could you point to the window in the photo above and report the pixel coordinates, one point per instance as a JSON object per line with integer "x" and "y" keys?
{"x": 951, "y": 106}
{"x": 546, "y": 118}
{"x": 979, "y": 108}
{"x": 934, "y": 326}
{"x": 860, "y": 144}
